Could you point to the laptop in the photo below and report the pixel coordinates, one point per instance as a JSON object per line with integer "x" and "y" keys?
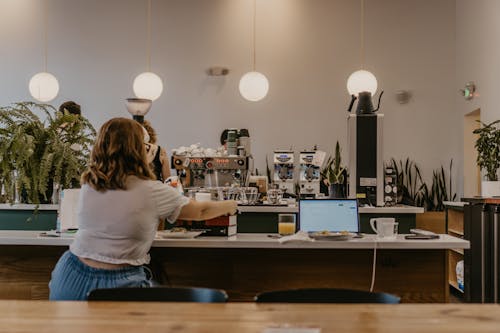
{"x": 334, "y": 215}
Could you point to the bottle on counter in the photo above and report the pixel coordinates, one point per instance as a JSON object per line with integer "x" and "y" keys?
{"x": 232, "y": 145}
{"x": 244, "y": 140}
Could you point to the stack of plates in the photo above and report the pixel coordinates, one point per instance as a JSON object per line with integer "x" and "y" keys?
{"x": 178, "y": 234}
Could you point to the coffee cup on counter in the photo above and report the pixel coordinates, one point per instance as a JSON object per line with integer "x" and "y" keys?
{"x": 274, "y": 196}
{"x": 385, "y": 227}
{"x": 203, "y": 196}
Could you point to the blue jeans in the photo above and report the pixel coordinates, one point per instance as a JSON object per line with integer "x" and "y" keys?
{"x": 73, "y": 280}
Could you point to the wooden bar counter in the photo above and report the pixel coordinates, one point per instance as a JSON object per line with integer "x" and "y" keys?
{"x": 100, "y": 317}
{"x": 244, "y": 265}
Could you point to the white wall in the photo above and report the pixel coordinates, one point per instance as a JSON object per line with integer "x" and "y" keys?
{"x": 307, "y": 49}
{"x": 478, "y": 57}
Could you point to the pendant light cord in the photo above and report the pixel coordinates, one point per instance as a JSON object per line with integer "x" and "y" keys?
{"x": 362, "y": 32}
{"x": 148, "y": 55}
{"x": 45, "y": 33}
{"x": 254, "y": 33}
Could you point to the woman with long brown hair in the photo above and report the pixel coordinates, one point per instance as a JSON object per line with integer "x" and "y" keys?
{"x": 118, "y": 212}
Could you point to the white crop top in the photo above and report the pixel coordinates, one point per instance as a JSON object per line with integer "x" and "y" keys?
{"x": 119, "y": 226}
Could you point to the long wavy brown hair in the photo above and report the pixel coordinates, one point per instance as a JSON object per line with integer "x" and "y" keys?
{"x": 151, "y": 131}
{"x": 118, "y": 152}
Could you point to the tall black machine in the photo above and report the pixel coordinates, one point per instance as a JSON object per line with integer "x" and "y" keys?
{"x": 365, "y": 141}
{"x": 482, "y": 260}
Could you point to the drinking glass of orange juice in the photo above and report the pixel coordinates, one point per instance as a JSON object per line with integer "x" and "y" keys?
{"x": 286, "y": 224}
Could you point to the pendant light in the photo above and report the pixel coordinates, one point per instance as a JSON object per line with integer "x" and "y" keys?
{"x": 254, "y": 85}
{"x": 362, "y": 80}
{"x": 44, "y": 86}
{"x": 148, "y": 85}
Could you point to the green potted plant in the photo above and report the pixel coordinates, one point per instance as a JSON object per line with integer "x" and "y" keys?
{"x": 408, "y": 181}
{"x": 488, "y": 156}
{"x": 334, "y": 174}
{"x": 433, "y": 199}
{"x": 38, "y": 155}
{"x": 441, "y": 190}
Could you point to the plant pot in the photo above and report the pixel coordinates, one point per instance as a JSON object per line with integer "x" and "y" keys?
{"x": 336, "y": 191}
{"x": 490, "y": 189}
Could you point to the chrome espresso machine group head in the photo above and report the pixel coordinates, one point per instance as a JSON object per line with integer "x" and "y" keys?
{"x": 283, "y": 171}
{"x": 309, "y": 175}
{"x": 211, "y": 171}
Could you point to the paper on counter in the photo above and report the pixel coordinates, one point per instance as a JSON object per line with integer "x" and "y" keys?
{"x": 300, "y": 236}
{"x": 67, "y": 209}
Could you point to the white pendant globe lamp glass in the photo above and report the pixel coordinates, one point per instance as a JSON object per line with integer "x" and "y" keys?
{"x": 254, "y": 86}
{"x": 43, "y": 87}
{"x": 148, "y": 85}
{"x": 360, "y": 81}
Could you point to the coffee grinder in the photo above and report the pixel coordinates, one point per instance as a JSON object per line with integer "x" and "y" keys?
{"x": 283, "y": 171}
{"x": 365, "y": 142}
{"x": 138, "y": 107}
{"x": 309, "y": 175}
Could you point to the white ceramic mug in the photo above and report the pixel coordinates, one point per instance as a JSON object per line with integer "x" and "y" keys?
{"x": 202, "y": 196}
{"x": 384, "y": 227}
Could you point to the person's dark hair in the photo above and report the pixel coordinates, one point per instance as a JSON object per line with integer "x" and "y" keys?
{"x": 118, "y": 152}
{"x": 70, "y": 107}
{"x": 223, "y": 137}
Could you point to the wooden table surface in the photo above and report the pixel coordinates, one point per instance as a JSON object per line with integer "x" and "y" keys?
{"x": 128, "y": 317}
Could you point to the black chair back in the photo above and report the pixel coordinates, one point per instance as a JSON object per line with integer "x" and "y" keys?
{"x": 159, "y": 294}
{"x": 325, "y": 295}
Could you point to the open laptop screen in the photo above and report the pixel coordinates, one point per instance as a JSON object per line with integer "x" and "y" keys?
{"x": 328, "y": 214}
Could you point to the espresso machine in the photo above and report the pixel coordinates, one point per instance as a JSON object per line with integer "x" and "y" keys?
{"x": 206, "y": 171}
{"x": 283, "y": 171}
{"x": 309, "y": 175}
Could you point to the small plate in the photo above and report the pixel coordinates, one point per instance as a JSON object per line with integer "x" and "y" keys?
{"x": 332, "y": 236}
{"x": 178, "y": 234}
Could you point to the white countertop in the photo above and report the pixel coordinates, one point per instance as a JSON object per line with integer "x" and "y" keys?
{"x": 7, "y": 206}
{"x": 455, "y": 203}
{"x": 256, "y": 241}
{"x": 392, "y": 210}
{"x": 362, "y": 210}
{"x": 255, "y": 209}
{"x": 268, "y": 209}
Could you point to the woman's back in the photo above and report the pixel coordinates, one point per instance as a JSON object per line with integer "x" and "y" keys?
{"x": 119, "y": 226}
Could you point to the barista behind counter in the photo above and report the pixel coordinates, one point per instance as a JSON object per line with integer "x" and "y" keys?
{"x": 157, "y": 156}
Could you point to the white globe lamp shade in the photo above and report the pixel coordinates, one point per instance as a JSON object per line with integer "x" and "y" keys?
{"x": 148, "y": 85}
{"x": 360, "y": 81}
{"x": 44, "y": 87}
{"x": 254, "y": 86}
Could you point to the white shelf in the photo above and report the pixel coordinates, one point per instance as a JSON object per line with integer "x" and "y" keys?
{"x": 28, "y": 207}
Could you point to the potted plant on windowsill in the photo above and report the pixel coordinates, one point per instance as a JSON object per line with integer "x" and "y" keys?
{"x": 488, "y": 157}
{"x": 334, "y": 175}
{"x": 38, "y": 156}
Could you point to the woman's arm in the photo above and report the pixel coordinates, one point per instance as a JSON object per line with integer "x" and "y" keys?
{"x": 204, "y": 210}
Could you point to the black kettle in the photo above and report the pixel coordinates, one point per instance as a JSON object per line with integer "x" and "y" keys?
{"x": 365, "y": 105}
